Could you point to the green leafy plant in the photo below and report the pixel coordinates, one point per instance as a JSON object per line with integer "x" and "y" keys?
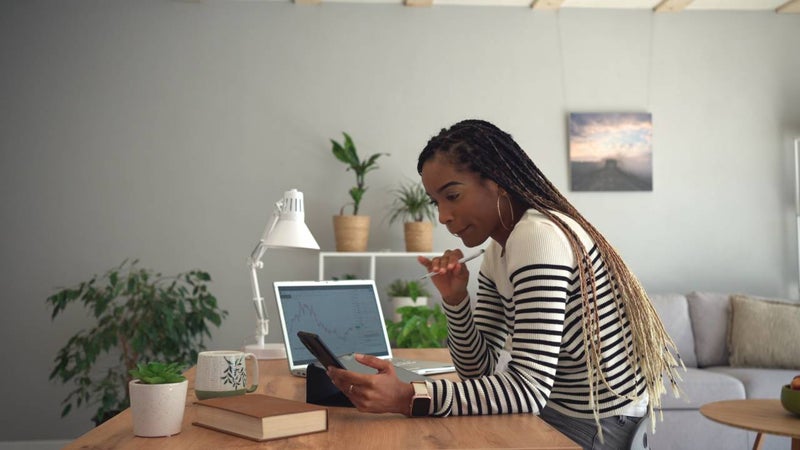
{"x": 347, "y": 276}
{"x": 411, "y": 204}
{"x": 156, "y": 372}
{"x": 419, "y": 327}
{"x": 139, "y": 315}
{"x": 346, "y": 153}
{"x": 407, "y": 288}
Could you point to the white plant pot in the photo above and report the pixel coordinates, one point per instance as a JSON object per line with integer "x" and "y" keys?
{"x": 157, "y": 409}
{"x": 398, "y": 302}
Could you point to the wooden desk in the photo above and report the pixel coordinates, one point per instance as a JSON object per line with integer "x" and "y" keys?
{"x": 759, "y": 415}
{"x": 347, "y": 428}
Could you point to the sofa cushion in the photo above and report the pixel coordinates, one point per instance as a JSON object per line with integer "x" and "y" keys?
{"x": 674, "y": 313}
{"x": 699, "y": 386}
{"x": 764, "y": 333}
{"x": 758, "y": 383}
{"x": 710, "y": 316}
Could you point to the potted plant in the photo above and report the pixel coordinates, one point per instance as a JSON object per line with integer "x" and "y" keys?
{"x": 139, "y": 315}
{"x": 419, "y": 327}
{"x": 347, "y": 276}
{"x": 158, "y": 399}
{"x": 352, "y": 231}
{"x": 413, "y": 206}
{"x": 415, "y": 324}
{"x": 404, "y": 293}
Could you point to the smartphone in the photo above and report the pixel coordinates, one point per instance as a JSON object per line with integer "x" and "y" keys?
{"x": 318, "y": 348}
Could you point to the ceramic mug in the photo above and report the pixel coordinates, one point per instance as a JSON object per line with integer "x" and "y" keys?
{"x": 223, "y": 373}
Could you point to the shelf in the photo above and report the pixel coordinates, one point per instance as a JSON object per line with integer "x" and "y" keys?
{"x": 372, "y": 256}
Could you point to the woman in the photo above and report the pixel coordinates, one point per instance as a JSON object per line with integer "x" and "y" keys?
{"x": 587, "y": 348}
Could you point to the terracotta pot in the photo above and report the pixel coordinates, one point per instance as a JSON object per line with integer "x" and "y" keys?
{"x": 351, "y": 232}
{"x": 157, "y": 409}
{"x": 418, "y": 236}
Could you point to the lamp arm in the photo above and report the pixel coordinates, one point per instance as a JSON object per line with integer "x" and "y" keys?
{"x": 262, "y": 327}
{"x": 255, "y": 263}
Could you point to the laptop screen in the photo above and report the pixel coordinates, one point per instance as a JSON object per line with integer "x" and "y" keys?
{"x": 346, "y": 314}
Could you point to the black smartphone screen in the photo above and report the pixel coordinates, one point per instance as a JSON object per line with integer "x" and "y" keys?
{"x": 318, "y": 348}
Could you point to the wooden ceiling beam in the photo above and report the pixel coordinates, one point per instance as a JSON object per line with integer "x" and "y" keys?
{"x": 546, "y": 4}
{"x": 789, "y": 6}
{"x": 672, "y": 5}
{"x": 792, "y": 6}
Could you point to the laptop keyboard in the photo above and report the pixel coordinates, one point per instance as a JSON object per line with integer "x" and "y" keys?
{"x": 404, "y": 362}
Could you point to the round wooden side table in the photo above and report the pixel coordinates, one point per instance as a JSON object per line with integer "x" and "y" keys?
{"x": 759, "y": 415}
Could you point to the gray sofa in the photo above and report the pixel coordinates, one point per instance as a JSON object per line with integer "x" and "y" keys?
{"x": 699, "y": 324}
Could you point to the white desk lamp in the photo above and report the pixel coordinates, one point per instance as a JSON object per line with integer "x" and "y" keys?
{"x": 287, "y": 230}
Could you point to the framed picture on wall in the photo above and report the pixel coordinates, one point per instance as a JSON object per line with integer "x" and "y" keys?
{"x": 611, "y": 151}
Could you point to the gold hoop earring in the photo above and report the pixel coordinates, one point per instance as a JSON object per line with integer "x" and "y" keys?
{"x": 500, "y": 215}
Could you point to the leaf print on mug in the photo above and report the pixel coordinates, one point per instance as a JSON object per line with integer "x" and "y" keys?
{"x": 235, "y": 374}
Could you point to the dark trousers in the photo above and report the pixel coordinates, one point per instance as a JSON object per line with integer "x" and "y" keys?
{"x": 617, "y": 430}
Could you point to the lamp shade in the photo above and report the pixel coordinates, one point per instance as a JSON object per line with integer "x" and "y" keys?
{"x": 290, "y": 230}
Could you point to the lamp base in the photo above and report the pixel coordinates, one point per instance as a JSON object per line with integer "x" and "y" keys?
{"x": 266, "y": 351}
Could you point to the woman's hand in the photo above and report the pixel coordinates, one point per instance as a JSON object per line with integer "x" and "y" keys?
{"x": 379, "y": 393}
{"x": 452, "y": 276}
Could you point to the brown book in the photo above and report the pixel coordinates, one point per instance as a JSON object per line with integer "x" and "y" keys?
{"x": 260, "y": 417}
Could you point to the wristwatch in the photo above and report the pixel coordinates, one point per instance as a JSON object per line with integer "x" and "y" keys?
{"x": 421, "y": 401}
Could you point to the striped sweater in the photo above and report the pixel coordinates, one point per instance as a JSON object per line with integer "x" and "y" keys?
{"x": 529, "y": 302}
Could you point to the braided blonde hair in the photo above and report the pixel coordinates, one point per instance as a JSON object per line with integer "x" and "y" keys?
{"x": 485, "y": 149}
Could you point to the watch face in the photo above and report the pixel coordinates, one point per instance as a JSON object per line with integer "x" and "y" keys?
{"x": 420, "y": 406}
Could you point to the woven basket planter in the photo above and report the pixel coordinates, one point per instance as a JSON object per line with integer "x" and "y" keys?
{"x": 351, "y": 232}
{"x": 418, "y": 236}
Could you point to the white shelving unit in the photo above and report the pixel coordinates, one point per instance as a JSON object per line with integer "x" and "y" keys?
{"x": 372, "y": 256}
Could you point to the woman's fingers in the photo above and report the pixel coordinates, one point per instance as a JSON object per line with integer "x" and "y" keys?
{"x": 441, "y": 264}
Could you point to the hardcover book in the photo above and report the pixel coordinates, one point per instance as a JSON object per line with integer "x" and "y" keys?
{"x": 260, "y": 417}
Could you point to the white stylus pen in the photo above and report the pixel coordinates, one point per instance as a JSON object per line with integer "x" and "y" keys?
{"x": 462, "y": 261}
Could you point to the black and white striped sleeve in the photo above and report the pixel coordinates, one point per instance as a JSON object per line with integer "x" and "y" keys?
{"x": 539, "y": 264}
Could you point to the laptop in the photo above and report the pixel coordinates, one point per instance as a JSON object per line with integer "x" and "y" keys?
{"x": 347, "y": 315}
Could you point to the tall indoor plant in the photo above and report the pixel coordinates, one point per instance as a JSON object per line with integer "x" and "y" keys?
{"x": 352, "y": 231}
{"x": 412, "y": 205}
{"x": 139, "y": 315}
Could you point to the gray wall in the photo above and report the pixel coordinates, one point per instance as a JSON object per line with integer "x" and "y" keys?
{"x": 165, "y": 131}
